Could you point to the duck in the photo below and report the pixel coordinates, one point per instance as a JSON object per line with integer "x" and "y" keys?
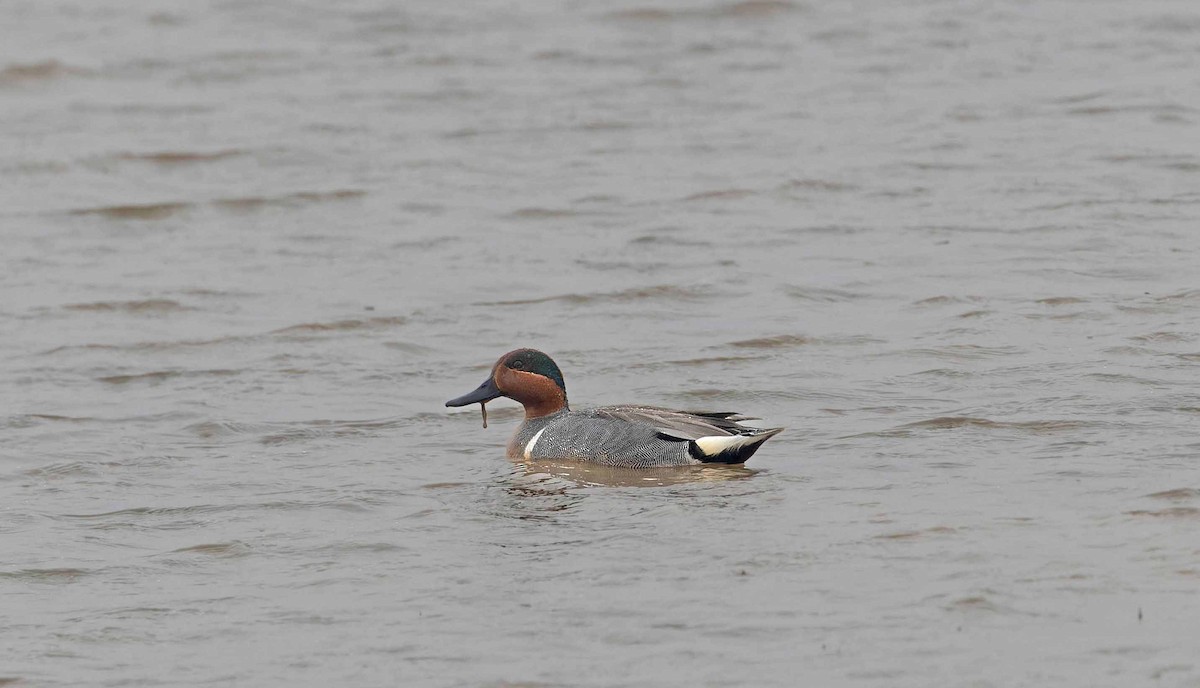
{"x": 626, "y": 436}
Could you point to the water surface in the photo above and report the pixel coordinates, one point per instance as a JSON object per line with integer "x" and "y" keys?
{"x": 249, "y": 249}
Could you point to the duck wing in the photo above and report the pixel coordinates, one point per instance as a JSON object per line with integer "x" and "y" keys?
{"x": 680, "y": 425}
{"x": 711, "y": 437}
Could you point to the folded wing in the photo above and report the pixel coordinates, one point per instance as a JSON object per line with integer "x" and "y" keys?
{"x": 712, "y": 437}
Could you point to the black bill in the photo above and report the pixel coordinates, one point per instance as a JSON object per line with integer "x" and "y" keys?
{"x": 485, "y": 392}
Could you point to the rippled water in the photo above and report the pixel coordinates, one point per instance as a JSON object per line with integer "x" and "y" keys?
{"x": 250, "y": 248}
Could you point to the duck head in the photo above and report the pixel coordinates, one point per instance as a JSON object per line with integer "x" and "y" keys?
{"x": 527, "y": 376}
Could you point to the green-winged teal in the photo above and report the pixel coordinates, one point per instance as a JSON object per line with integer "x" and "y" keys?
{"x": 628, "y": 436}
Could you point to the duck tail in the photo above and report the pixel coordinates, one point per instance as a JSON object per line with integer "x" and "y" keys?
{"x": 729, "y": 448}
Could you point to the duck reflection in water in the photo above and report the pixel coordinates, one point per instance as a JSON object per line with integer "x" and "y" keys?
{"x": 592, "y": 473}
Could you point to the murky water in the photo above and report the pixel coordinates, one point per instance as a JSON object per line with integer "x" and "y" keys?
{"x": 248, "y": 249}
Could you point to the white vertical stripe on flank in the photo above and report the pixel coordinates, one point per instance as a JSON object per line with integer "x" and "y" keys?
{"x": 529, "y": 447}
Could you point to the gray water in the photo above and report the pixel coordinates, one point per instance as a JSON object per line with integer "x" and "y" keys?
{"x": 249, "y": 249}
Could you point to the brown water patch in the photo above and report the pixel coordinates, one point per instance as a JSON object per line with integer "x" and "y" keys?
{"x": 180, "y": 157}
{"x": 958, "y": 114}
{"x": 669, "y": 241}
{"x": 426, "y": 208}
{"x": 694, "y": 362}
{"x": 755, "y": 8}
{"x": 821, "y": 294}
{"x": 745, "y": 9}
{"x": 1182, "y": 163}
{"x": 303, "y": 435}
{"x": 777, "y": 342}
{"x": 1060, "y": 300}
{"x": 34, "y": 167}
{"x": 149, "y": 211}
{"x": 68, "y": 470}
{"x": 37, "y": 71}
{"x": 1164, "y": 337}
{"x": 216, "y": 549}
{"x": 61, "y": 575}
{"x": 64, "y": 419}
{"x": 1077, "y": 97}
{"x": 914, "y": 534}
{"x": 944, "y": 300}
{"x": 1181, "y": 494}
{"x": 664, "y": 291}
{"x": 164, "y": 110}
{"x": 828, "y": 229}
{"x": 284, "y": 433}
{"x": 816, "y": 185}
{"x": 8, "y": 680}
{"x": 598, "y": 198}
{"x": 646, "y": 14}
{"x": 974, "y": 314}
{"x": 214, "y": 428}
{"x": 343, "y": 325}
{"x": 952, "y": 422}
{"x": 1121, "y": 378}
{"x": 541, "y": 214}
{"x": 840, "y": 34}
{"x": 142, "y": 346}
{"x": 1172, "y": 23}
{"x": 603, "y": 125}
{"x": 620, "y": 265}
{"x": 1181, "y": 166}
{"x": 1076, "y": 315}
{"x": 974, "y": 603}
{"x": 161, "y": 375}
{"x": 720, "y": 195}
{"x": 1129, "y": 351}
{"x": 166, "y": 19}
{"x": 1171, "y": 512}
{"x": 944, "y": 372}
{"x": 249, "y": 203}
{"x": 963, "y": 352}
{"x": 218, "y": 293}
{"x": 426, "y": 243}
{"x": 201, "y": 509}
{"x": 958, "y": 422}
{"x": 1159, "y": 108}
{"x": 927, "y": 165}
{"x": 1185, "y": 295}
{"x": 143, "y": 306}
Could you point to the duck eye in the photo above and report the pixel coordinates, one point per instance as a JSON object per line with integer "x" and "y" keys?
{"x": 517, "y": 364}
